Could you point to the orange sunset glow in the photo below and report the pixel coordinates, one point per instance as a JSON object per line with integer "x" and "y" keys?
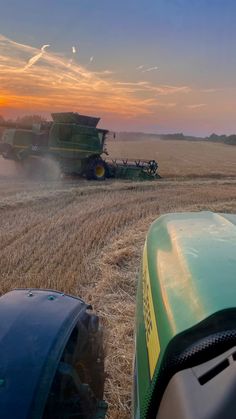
{"x": 42, "y": 81}
{"x": 38, "y": 80}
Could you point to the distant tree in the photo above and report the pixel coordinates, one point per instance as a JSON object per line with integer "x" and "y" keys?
{"x": 30, "y": 119}
{"x": 175, "y": 136}
{"x": 213, "y": 137}
{"x": 231, "y": 139}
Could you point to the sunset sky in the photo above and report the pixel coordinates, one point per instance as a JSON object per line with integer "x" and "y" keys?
{"x": 153, "y": 66}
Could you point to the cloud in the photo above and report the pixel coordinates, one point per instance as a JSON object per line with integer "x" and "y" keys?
{"x": 36, "y": 57}
{"x": 197, "y": 106}
{"x": 44, "y": 47}
{"x": 73, "y": 50}
{"x": 141, "y": 67}
{"x": 166, "y": 105}
{"x": 171, "y": 90}
{"x": 69, "y": 63}
{"x": 91, "y": 59}
{"x": 209, "y": 90}
{"x": 150, "y": 69}
{"x": 161, "y": 90}
{"x": 41, "y": 80}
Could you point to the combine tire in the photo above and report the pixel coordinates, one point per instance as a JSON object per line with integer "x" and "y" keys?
{"x": 96, "y": 170}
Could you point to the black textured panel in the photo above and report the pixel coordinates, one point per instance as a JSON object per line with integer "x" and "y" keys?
{"x": 206, "y": 340}
{"x": 202, "y": 350}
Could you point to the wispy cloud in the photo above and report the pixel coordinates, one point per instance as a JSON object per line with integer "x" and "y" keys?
{"x": 44, "y": 81}
{"x": 36, "y": 57}
{"x": 73, "y": 50}
{"x": 69, "y": 64}
{"x": 91, "y": 59}
{"x": 150, "y": 69}
{"x": 197, "y": 106}
{"x": 171, "y": 90}
{"x": 166, "y": 105}
{"x": 146, "y": 70}
{"x": 161, "y": 90}
{"x": 209, "y": 90}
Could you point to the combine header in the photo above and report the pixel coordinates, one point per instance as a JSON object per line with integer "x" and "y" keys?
{"x": 133, "y": 169}
{"x": 75, "y": 142}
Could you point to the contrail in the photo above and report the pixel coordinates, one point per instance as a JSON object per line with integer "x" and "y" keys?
{"x": 140, "y": 67}
{"x": 34, "y": 59}
{"x": 73, "y": 50}
{"x": 150, "y": 69}
{"x": 91, "y": 59}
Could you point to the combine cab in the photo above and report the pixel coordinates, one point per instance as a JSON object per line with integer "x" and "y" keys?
{"x": 76, "y": 143}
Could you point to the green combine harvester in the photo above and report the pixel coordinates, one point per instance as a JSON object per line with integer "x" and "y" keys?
{"x": 51, "y": 352}
{"x": 75, "y": 142}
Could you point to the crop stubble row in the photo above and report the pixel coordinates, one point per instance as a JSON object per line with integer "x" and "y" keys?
{"x": 87, "y": 240}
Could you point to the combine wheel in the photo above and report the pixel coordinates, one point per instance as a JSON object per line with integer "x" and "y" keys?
{"x": 96, "y": 169}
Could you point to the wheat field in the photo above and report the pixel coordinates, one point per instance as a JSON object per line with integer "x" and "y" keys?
{"x": 86, "y": 238}
{"x": 181, "y": 158}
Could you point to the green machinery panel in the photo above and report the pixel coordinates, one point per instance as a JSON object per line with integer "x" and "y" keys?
{"x": 188, "y": 276}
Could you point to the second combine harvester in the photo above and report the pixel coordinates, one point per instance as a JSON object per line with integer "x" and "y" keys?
{"x": 75, "y": 142}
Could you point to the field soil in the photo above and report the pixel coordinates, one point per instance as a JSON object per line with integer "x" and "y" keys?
{"x": 86, "y": 238}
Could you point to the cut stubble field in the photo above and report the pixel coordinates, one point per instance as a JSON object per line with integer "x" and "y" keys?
{"x": 86, "y": 238}
{"x": 181, "y": 158}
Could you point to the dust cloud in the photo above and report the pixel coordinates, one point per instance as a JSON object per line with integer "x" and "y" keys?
{"x": 39, "y": 169}
{"x": 8, "y": 168}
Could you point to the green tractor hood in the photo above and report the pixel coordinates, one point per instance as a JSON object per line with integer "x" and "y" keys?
{"x": 186, "y": 303}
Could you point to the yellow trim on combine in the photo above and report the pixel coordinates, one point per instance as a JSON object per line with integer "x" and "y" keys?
{"x": 69, "y": 149}
{"x": 100, "y": 171}
{"x": 152, "y": 339}
{"x": 57, "y": 148}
